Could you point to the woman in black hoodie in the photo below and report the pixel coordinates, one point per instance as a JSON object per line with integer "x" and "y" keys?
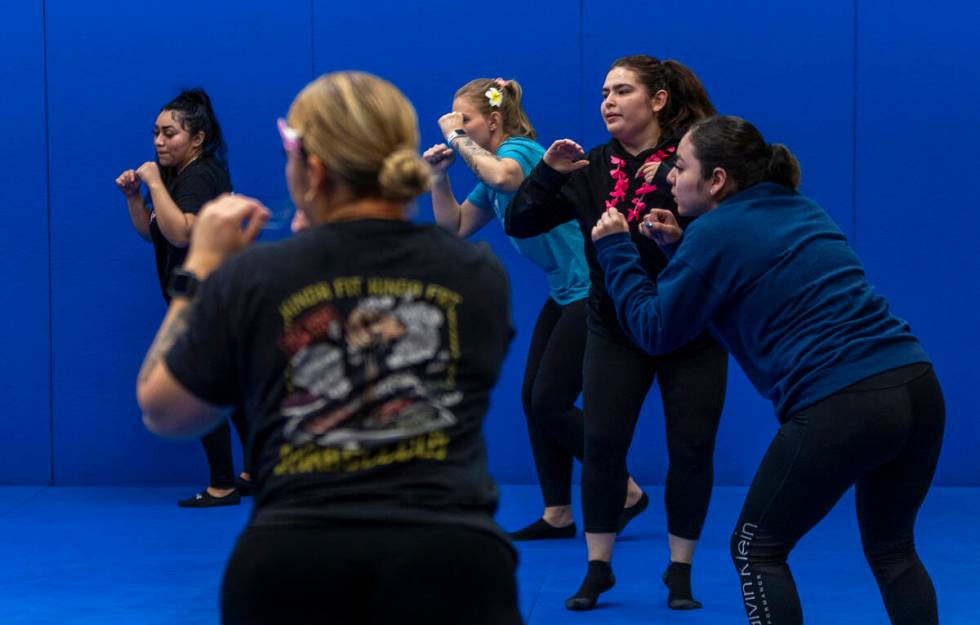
{"x": 647, "y": 106}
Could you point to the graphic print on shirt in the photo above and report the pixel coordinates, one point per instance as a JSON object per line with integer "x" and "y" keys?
{"x": 371, "y": 386}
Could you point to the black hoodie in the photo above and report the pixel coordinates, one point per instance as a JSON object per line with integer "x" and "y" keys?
{"x": 548, "y": 198}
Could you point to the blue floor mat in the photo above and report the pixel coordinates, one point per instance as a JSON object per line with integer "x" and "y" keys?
{"x": 111, "y": 556}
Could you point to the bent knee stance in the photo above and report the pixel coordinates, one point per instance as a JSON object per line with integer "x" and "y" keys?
{"x": 889, "y": 562}
{"x": 763, "y": 575}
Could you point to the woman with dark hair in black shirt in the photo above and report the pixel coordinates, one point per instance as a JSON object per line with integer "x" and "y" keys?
{"x": 191, "y": 169}
{"x": 646, "y": 105}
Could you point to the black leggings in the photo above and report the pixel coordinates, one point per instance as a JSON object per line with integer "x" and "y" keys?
{"x": 552, "y": 383}
{"x": 617, "y": 379}
{"x": 882, "y": 434}
{"x": 370, "y": 574}
{"x": 217, "y": 448}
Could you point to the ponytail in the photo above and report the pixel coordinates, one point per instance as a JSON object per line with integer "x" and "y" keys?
{"x": 513, "y": 119}
{"x": 737, "y": 146}
{"x": 687, "y": 99}
{"x": 195, "y": 114}
{"x": 517, "y": 123}
{"x": 783, "y": 168}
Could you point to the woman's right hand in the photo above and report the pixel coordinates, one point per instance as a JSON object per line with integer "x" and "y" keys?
{"x": 661, "y": 226}
{"x": 565, "y": 156}
{"x": 224, "y": 226}
{"x": 439, "y": 157}
{"x": 128, "y": 182}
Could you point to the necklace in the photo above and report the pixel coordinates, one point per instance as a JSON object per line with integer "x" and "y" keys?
{"x": 622, "y": 184}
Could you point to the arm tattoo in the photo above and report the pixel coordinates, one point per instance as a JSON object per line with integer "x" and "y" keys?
{"x": 165, "y": 339}
{"x": 470, "y": 151}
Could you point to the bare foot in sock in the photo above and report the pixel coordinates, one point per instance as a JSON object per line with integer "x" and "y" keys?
{"x": 677, "y": 578}
{"x": 598, "y": 580}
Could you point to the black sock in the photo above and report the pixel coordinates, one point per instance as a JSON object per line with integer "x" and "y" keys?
{"x": 628, "y": 514}
{"x": 542, "y": 530}
{"x": 677, "y": 578}
{"x": 598, "y": 580}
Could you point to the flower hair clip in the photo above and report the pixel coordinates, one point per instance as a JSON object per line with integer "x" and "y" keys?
{"x": 291, "y": 140}
{"x": 494, "y": 97}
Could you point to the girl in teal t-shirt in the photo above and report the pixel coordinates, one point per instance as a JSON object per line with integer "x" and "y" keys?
{"x": 490, "y": 131}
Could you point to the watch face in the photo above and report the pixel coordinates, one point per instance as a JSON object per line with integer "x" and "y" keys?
{"x": 182, "y": 283}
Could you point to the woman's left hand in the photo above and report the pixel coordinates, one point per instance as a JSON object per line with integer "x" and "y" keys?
{"x": 611, "y": 222}
{"x": 450, "y": 122}
{"x": 224, "y": 226}
{"x": 647, "y": 171}
{"x": 661, "y": 226}
{"x": 439, "y": 157}
{"x": 149, "y": 173}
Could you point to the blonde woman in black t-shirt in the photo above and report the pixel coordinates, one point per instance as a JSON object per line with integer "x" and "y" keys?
{"x": 364, "y": 350}
{"x": 191, "y": 169}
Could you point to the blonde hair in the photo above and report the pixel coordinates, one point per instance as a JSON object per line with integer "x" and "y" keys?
{"x": 365, "y": 131}
{"x": 512, "y": 116}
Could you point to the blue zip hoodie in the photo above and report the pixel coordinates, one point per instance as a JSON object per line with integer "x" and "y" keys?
{"x": 773, "y": 278}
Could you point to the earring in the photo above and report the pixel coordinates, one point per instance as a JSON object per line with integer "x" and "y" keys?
{"x": 310, "y": 195}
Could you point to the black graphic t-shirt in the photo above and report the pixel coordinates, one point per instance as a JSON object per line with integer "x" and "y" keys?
{"x": 364, "y": 353}
{"x": 197, "y": 184}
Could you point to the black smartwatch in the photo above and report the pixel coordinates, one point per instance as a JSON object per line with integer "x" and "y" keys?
{"x": 182, "y": 283}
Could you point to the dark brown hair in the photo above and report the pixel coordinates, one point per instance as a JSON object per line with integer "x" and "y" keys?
{"x": 192, "y": 110}
{"x": 687, "y": 100}
{"x": 737, "y": 146}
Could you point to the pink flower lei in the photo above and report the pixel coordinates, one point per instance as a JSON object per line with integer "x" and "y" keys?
{"x": 622, "y": 184}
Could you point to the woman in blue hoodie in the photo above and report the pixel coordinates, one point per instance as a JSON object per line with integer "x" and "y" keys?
{"x": 772, "y": 276}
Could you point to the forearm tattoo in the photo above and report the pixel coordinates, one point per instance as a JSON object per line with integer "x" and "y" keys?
{"x": 164, "y": 340}
{"x": 470, "y": 152}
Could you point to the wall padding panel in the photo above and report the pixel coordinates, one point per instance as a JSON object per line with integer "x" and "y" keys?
{"x": 112, "y": 66}
{"x": 918, "y": 211}
{"x": 25, "y": 413}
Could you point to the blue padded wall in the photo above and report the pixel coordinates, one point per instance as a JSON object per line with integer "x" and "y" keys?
{"x": 25, "y": 408}
{"x": 918, "y": 95}
{"x": 110, "y": 73}
{"x": 861, "y": 92}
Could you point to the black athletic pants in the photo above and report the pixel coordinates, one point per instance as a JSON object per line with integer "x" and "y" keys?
{"x": 217, "y": 448}
{"x": 617, "y": 377}
{"x": 882, "y": 435}
{"x": 370, "y": 574}
{"x": 552, "y": 383}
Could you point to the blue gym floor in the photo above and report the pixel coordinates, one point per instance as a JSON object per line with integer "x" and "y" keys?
{"x": 112, "y": 556}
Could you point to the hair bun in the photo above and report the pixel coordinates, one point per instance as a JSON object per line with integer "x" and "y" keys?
{"x": 783, "y": 168}
{"x": 404, "y": 175}
{"x": 195, "y": 95}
